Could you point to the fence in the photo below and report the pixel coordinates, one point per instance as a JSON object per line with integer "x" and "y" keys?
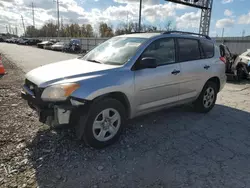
{"x": 87, "y": 43}
{"x": 235, "y": 44}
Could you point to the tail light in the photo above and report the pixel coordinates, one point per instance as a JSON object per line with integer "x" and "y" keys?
{"x": 223, "y": 59}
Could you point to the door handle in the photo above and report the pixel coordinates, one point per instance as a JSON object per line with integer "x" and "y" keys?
{"x": 175, "y": 72}
{"x": 206, "y": 67}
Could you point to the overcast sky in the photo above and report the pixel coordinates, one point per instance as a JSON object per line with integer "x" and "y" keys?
{"x": 233, "y": 15}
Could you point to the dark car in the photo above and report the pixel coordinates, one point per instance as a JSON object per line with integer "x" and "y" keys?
{"x": 1, "y": 40}
{"x": 33, "y": 41}
{"x": 74, "y": 46}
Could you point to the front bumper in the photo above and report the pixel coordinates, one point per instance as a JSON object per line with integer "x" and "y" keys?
{"x": 36, "y": 104}
{"x": 51, "y": 113}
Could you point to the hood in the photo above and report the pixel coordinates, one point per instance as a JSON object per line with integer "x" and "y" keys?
{"x": 48, "y": 74}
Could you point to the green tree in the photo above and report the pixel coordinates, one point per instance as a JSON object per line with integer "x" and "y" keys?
{"x": 105, "y": 30}
{"x": 89, "y": 31}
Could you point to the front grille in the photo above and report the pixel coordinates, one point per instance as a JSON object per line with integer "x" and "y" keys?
{"x": 34, "y": 88}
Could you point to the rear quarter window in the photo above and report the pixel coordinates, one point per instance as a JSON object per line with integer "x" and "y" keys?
{"x": 208, "y": 48}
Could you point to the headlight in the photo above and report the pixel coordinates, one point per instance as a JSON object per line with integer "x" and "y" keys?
{"x": 59, "y": 92}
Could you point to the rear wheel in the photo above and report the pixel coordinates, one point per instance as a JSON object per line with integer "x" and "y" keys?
{"x": 207, "y": 98}
{"x": 240, "y": 73}
{"x": 104, "y": 123}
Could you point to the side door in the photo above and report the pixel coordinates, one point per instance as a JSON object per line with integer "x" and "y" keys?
{"x": 192, "y": 68}
{"x": 156, "y": 87}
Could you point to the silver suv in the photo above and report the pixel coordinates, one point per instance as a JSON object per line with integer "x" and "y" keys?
{"x": 124, "y": 77}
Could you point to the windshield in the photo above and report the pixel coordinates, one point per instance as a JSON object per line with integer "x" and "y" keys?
{"x": 115, "y": 51}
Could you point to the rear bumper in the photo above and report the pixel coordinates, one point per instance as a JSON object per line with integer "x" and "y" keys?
{"x": 223, "y": 81}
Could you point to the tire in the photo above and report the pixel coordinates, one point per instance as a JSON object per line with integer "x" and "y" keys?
{"x": 97, "y": 130}
{"x": 206, "y": 101}
{"x": 240, "y": 73}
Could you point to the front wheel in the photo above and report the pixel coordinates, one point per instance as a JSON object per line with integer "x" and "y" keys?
{"x": 207, "y": 98}
{"x": 104, "y": 123}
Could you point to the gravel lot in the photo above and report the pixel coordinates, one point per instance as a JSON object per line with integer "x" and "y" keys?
{"x": 28, "y": 57}
{"x": 170, "y": 148}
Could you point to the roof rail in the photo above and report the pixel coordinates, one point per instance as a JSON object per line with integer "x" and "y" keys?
{"x": 188, "y": 33}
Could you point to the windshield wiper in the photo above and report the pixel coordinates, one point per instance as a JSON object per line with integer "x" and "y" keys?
{"x": 93, "y": 60}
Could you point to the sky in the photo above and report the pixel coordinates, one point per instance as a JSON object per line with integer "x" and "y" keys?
{"x": 232, "y": 15}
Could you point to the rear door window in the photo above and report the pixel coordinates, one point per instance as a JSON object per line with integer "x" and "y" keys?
{"x": 208, "y": 48}
{"x": 189, "y": 49}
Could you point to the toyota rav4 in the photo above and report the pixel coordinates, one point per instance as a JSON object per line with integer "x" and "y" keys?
{"x": 124, "y": 77}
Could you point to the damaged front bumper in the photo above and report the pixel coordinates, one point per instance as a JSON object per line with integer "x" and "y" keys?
{"x": 53, "y": 113}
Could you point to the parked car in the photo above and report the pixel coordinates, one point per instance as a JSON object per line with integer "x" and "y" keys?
{"x": 237, "y": 66}
{"x": 48, "y": 46}
{"x": 74, "y": 46}
{"x": 2, "y": 40}
{"x": 33, "y": 41}
{"x": 124, "y": 77}
{"x": 11, "y": 40}
{"x": 23, "y": 41}
{"x": 58, "y": 46}
{"x": 42, "y": 44}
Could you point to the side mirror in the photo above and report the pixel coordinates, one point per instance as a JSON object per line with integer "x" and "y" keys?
{"x": 147, "y": 63}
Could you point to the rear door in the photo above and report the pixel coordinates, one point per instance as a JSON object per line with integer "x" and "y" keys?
{"x": 193, "y": 67}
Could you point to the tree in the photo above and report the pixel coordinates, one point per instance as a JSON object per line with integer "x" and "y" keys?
{"x": 31, "y": 31}
{"x": 89, "y": 31}
{"x": 169, "y": 26}
{"x": 105, "y": 30}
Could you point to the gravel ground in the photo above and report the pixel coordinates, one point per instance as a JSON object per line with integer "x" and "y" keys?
{"x": 170, "y": 148}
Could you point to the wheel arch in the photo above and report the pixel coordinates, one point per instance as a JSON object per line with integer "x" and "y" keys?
{"x": 216, "y": 80}
{"x": 121, "y": 97}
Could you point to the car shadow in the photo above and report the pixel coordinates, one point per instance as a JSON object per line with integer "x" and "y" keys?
{"x": 155, "y": 150}
{"x": 241, "y": 82}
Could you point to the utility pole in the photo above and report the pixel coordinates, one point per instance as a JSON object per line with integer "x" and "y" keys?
{"x": 7, "y": 31}
{"x": 140, "y": 15}
{"x": 16, "y": 31}
{"x": 58, "y": 17}
{"x": 127, "y": 23}
{"x": 222, "y": 34}
{"x": 23, "y": 25}
{"x": 33, "y": 13}
{"x": 243, "y": 33}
